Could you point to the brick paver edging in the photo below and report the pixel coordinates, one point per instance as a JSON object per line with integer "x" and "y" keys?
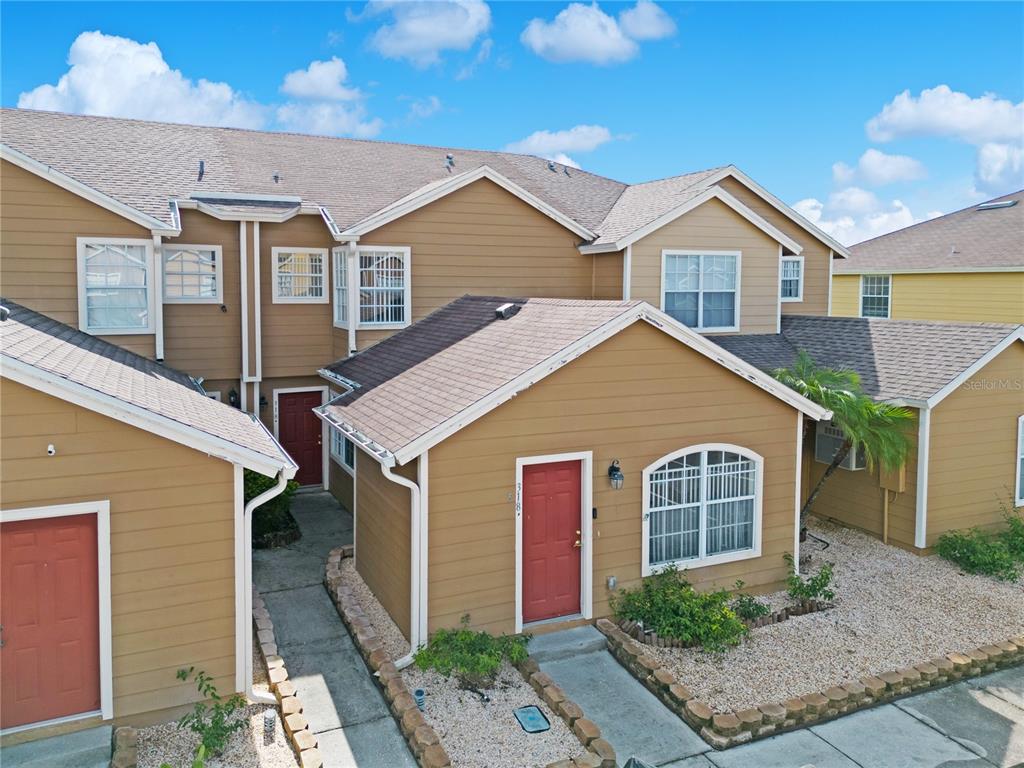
{"x": 124, "y": 747}
{"x": 296, "y": 727}
{"x": 728, "y": 729}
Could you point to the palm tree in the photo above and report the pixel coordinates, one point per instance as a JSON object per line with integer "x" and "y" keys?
{"x": 881, "y": 430}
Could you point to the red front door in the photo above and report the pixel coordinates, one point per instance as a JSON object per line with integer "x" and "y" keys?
{"x": 49, "y": 612}
{"x": 551, "y": 530}
{"x": 300, "y": 433}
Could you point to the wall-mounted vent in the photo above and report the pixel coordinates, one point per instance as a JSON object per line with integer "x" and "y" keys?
{"x": 996, "y": 205}
{"x": 505, "y": 311}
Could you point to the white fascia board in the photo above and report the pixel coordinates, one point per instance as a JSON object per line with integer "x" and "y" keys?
{"x": 128, "y": 413}
{"x": 927, "y": 271}
{"x": 714, "y": 192}
{"x": 435, "y": 192}
{"x": 977, "y": 365}
{"x": 780, "y": 206}
{"x": 270, "y": 218}
{"x": 374, "y": 449}
{"x": 74, "y": 186}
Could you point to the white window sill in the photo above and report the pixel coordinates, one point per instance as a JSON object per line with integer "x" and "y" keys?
{"x": 381, "y": 326}
{"x": 724, "y": 329}
{"x": 300, "y": 300}
{"x": 342, "y": 326}
{"x": 341, "y": 463}
{"x": 694, "y": 562}
{"x": 118, "y": 331}
{"x": 216, "y": 300}
{"x": 792, "y": 299}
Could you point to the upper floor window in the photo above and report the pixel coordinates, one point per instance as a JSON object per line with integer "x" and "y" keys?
{"x": 384, "y": 286}
{"x": 115, "y": 285}
{"x": 828, "y": 439}
{"x": 874, "y": 295}
{"x": 702, "y": 505}
{"x": 791, "y": 273}
{"x": 701, "y": 289}
{"x": 193, "y": 274}
{"x": 340, "y": 287}
{"x": 300, "y": 275}
{"x": 1019, "y": 498}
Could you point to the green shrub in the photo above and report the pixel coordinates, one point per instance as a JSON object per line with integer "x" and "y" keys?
{"x": 748, "y": 607}
{"x": 816, "y": 587}
{"x": 667, "y": 604}
{"x": 215, "y": 722}
{"x": 1013, "y": 536}
{"x": 473, "y": 657}
{"x": 272, "y": 522}
{"x": 978, "y": 552}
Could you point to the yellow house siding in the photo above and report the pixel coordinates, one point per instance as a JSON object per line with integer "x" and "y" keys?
{"x": 714, "y": 226}
{"x": 607, "y": 275}
{"x": 635, "y": 398}
{"x": 973, "y": 456}
{"x": 39, "y": 227}
{"x": 846, "y": 295}
{"x": 171, "y": 538}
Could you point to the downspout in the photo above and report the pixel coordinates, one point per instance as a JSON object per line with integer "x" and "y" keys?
{"x": 414, "y": 566}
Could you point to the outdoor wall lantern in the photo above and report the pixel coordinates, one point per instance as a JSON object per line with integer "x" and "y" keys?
{"x": 615, "y": 476}
{"x": 233, "y": 398}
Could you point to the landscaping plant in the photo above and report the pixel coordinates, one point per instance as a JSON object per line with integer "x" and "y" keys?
{"x": 199, "y": 762}
{"x": 473, "y": 657}
{"x": 997, "y": 554}
{"x": 215, "y": 722}
{"x": 272, "y": 521}
{"x": 748, "y": 607}
{"x": 816, "y": 587}
{"x": 667, "y": 604}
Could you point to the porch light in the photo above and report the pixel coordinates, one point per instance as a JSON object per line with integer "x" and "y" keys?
{"x": 615, "y": 476}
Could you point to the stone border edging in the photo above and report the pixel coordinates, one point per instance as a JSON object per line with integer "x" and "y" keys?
{"x": 728, "y": 729}
{"x": 296, "y": 727}
{"x": 124, "y": 747}
{"x": 420, "y": 735}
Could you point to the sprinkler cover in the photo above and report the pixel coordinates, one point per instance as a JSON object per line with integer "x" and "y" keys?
{"x": 532, "y": 719}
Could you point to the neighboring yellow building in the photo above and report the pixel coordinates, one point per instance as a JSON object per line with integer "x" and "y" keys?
{"x": 965, "y": 266}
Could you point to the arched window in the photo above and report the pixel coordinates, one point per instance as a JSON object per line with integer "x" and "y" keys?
{"x": 702, "y": 505}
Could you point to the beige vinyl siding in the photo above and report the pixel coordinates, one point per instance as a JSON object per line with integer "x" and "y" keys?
{"x": 635, "y": 398}
{"x": 481, "y": 240}
{"x": 973, "y": 447}
{"x": 714, "y": 226}
{"x": 171, "y": 542}
{"x": 382, "y": 536}
{"x": 39, "y": 227}
{"x": 203, "y": 339}
{"x": 855, "y": 498}
{"x": 815, "y": 252}
{"x": 342, "y": 485}
{"x": 607, "y": 275}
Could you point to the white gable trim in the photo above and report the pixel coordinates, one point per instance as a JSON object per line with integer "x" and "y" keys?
{"x": 128, "y": 413}
{"x": 76, "y": 187}
{"x": 981, "y": 362}
{"x": 714, "y": 192}
{"x": 417, "y": 200}
{"x": 781, "y": 207}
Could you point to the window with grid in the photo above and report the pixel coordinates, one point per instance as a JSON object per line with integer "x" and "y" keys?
{"x": 1020, "y": 462}
{"x": 192, "y": 274}
{"x": 343, "y": 450}
{"x": 701, "y": 505}
{"x": 300, "y": 275}
{"x": 114, "y": 285}
{"x": 383, "y": 286}
{"x": 792, "y": 276}
{"x": 340, "y": 287}
{"x": 874, "y": 295}
{"x": 700, "y": 289}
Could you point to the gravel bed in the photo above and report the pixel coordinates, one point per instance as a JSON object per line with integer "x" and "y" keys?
{"x": 475, "y": 733}
{"x": 892, "y": 609}
{"x": 394, "y": 642}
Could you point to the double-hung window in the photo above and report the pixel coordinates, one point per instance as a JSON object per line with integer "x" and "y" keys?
{"x": 193, "y": 274}
{"x": 300, "y": 275}
{"x": 340, "y": 257}
{"x": 702, "y": 505}
{"x": 875, "y": 293}
{"x": 791, "y": 273}
{"x": 701, "y": 289}
{"x": 384, "y": 286}
{"x": 1019, "y": 497}
{"x": 115, "y": 285}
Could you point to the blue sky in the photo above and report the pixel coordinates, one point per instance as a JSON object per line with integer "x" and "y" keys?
{"x": 635, "y": 91}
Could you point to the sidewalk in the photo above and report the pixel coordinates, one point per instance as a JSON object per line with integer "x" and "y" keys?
{"x": 342, "y": 704}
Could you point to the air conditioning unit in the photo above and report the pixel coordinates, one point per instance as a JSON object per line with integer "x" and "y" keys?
{"x": 828, "y": 439}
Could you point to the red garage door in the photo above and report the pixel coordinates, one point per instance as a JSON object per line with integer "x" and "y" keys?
{"x": 49, "y": 613}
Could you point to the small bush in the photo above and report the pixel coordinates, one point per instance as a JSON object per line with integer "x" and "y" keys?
{"x": 1013, "y": 536}
{"x": 272, "y": 522}
{"x": 816, "y": 587}
{"x": 473, "y": 657}
{"x": 748, "y": 607}
{"x": 667, "y": 604}
{"x": 978, "y": 552}
{"x": 214, "y": 723}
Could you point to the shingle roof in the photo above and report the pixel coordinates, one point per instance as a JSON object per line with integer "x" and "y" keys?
{"x": 422, "y": 376}
{"x": 896, "y": 359}
{"x": 967, "y": 239}
{"x": 77, "y": 357}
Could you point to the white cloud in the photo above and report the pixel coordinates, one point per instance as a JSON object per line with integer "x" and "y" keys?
{"x": 555, "y": 145}
{"x": 423, "y": 108}
{"x": 853, "y": 215}
{"x": 646, "y": 21}
{"x": 564, "y": 159}
{"x": 941, "y": 111}
{"x": 853, "y": 200}
{"x": 328, "y": 118}
{"x": 483, "y": 53}
{"x": 420, "y": 30}
{"x": 119, "y": 77}
{"x": 586, "y": 33}
{"x": 1000, "y": 169}
{"x": 878, "y": 169}
{"x": 321, "y": 81}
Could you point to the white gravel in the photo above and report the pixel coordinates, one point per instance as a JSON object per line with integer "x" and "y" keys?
{"x": 394, "y": 642}
{"x": 892, "y": 609}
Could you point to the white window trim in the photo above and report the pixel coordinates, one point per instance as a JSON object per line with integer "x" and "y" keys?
{"x": 406, "y": 252}
{"x": 218, "y": 251}
{"x": 888, "y": 308}
{"x": 800, "y": 292}
{"x": 277, "y": 298}
{"x": 1019, "y": 495}
{"x": 339, "y": 256}
{"x": 151, "y": 277}
{"x": 666, "y": 252}
{"x": 697, "y": 562}
{"x": 102, "y": 511}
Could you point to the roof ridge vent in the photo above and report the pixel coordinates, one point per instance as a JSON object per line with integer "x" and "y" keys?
{"x": 996, "y": 205}
{"x": 505, "y": 311}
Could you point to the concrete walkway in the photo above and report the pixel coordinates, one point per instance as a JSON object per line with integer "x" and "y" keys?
{"x": 342, "y": 703}
{"x": 972, "y": 724}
